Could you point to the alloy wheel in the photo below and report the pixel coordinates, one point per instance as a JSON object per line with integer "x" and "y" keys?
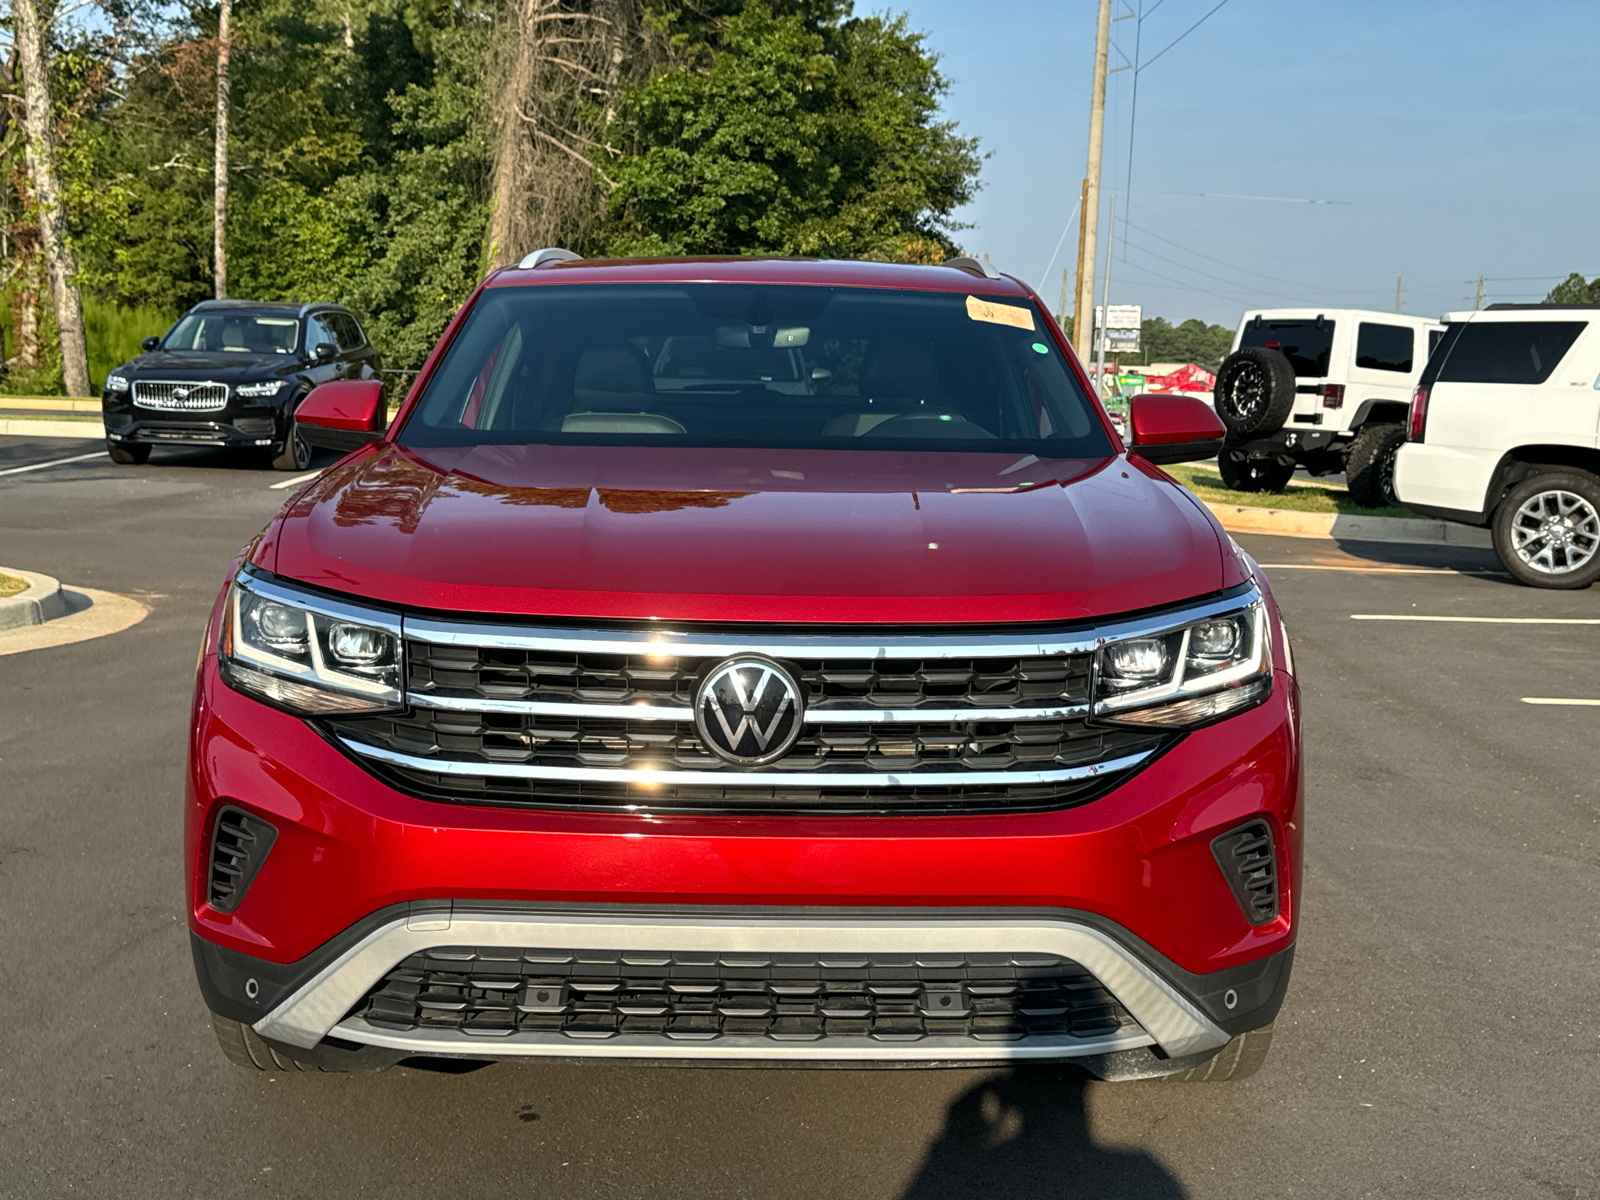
{"x": 1555, "y": 532}
{"x": 1246, "y": 394}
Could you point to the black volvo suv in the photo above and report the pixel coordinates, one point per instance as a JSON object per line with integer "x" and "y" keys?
{"x": 231, "y": 373}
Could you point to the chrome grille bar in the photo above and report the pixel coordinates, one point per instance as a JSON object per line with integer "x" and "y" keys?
{"x": 680, "y": 712}
{"x": 769, "y": 777}
{"x": 180, "y": 395}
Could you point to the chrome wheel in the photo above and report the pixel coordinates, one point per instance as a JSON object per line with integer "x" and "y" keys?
{"x": 1245, "y": 395}
{"x": 1555, "y": 532}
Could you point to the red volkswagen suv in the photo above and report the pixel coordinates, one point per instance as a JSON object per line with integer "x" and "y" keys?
{"x": 746, "y": 661}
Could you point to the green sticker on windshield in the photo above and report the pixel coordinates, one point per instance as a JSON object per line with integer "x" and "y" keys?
{"x": 1041, "y": 348}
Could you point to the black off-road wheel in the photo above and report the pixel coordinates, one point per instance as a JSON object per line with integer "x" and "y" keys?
{"x": 1547, "y": 530}
{"x": 1369, "y": 466}
{"x": 1254, "y": 392}
{"x": 1239, "y": 1059}
{"x": 1253, "y": 474}
{"x": 128, "y": 454}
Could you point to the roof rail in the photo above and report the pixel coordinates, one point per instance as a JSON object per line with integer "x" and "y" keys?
{"x": 547, "y": 257}
{"x": 972, "y": 266}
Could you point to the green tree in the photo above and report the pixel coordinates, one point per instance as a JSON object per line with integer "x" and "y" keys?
{"x": 792, "y": 133}
{"x": 1192, "y": 341}
{"x": 1573, "y": 290}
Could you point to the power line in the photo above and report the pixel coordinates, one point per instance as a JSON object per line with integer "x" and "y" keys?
{"x": 1065, "y": 229}
{"x": 1235, "y": 196}
{"x": 1181, "y": 36}
{"x": 1245, "y": 270}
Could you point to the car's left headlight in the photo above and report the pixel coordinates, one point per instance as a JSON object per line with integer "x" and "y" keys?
{"x": 270, "y": 387}
{"x": 1187, "y": 675}
{"x": 116, "y": 383}
{"x": 309, "y": 654}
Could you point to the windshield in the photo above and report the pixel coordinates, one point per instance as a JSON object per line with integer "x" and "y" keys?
{"x": 743, "y": 365}
{"x": 234, "y": 333}
{"x": 1306, "y": 344}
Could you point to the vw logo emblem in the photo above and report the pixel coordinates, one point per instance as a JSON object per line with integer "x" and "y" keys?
{"x": 748, "y": 711}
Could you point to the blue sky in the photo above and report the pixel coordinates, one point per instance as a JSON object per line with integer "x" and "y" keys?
{"x": 1460, "y": 138}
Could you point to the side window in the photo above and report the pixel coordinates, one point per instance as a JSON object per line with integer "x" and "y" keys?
{"x": 319, "y": 329}
{"x": 350, "y": 337}
{"x": 1384, "y": 347}
{"x": 1435, "y": 336}
{"x": 1525, "y": 352}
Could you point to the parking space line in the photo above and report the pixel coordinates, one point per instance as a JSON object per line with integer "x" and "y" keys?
{"x": 1477, "y": 620}
{"x": 1560, "y": 700}
{"x": 1358, "y": 570}
{"x": 295, "y": 482}
{"x": 55, "y": 462}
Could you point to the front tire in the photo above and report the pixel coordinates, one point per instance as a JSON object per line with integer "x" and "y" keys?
{"x": 244, "y": 1048}
{"x": 1253, "y": 474}
{"x": 1547, "y": 530}
{"x": 294, "y": 454}
{"x": 1369, "y": 467}
{"x": 1239, "y": 1059}
{"x": 128, "y": 454}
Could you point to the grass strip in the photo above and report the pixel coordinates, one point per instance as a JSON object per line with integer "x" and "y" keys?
{"x": 1204, "y": 481}
{"x": 10, "y": 585}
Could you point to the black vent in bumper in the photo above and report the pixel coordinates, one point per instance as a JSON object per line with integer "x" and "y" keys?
{"x": 702, "y": 996}
{"x": 1249, "y": 862}
{"x": 239, "y": 846}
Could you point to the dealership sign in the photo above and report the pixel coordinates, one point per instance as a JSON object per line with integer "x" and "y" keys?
{"x": 1118, "y": 325}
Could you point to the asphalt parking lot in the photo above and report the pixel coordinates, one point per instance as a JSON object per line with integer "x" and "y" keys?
{"x": 1441, "y": 1036}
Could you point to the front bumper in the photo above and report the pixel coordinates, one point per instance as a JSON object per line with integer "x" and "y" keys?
{"x": 238, "y": 425}
{"x": 363, "y": 876}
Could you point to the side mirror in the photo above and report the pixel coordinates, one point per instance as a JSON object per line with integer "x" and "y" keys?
{"x": 1173, "y": 429}
{"x": 344, "y": 415}
{"x": 150, "y": 343}
{"x": 325, "y": 350}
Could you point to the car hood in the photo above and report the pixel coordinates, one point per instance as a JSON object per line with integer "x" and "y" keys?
{"x": 738, "y": 535}
{"x": 195, "y": 364}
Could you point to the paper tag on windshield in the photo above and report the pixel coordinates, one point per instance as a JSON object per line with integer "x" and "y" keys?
{"x": 999, "y": 314}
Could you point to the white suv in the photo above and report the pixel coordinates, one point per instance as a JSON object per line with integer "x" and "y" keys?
{"x": 1503, "y": 432}
{"x": 1326, "y": 389}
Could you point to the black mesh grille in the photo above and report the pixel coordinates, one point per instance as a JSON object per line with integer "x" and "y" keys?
{"x": 239, "y": 846}
{"x": 486, "y": 673}
{"x": 897, "y": 747}
{"x": 1249, "y": 862}
{"x": 703, "y": 996}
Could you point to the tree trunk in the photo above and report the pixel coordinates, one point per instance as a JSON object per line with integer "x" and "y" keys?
{"x": 220, "y": 219}
{"x": 41, "y": 155}
{"x": 511, "y": 150}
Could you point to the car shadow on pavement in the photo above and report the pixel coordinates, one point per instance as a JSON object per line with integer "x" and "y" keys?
{"x": 1025, "y": 1135}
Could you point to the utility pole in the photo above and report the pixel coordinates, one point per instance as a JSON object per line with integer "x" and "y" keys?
{"x": 1397, "y": 278}
{"x": 1061, "y": 318}
{"x": 1478, "y": 303}
{"x": 220, "y": 195}
{"x": 1087, "y": 249}
{"x": 1105, "y": 303}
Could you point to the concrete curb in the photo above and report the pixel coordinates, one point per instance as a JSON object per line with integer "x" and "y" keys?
{"x": 1237, "y": 518}
{"x": 92, "y": 431}
{"x": 42, "y": 601}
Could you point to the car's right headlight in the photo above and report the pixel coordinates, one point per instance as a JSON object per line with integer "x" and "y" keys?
{"x": 116, "y": 383}
{"x": 1189, "y": 674}
{"x": 307, "y": 653}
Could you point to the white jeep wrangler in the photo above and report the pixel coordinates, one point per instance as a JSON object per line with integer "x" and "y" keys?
{"x": 1327, "y": 389}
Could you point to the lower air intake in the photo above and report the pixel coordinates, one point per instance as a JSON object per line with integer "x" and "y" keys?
{"x": 703, "y": 996}
{"x": 238, "y": 848}
{"x": 1249, "y": 862}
